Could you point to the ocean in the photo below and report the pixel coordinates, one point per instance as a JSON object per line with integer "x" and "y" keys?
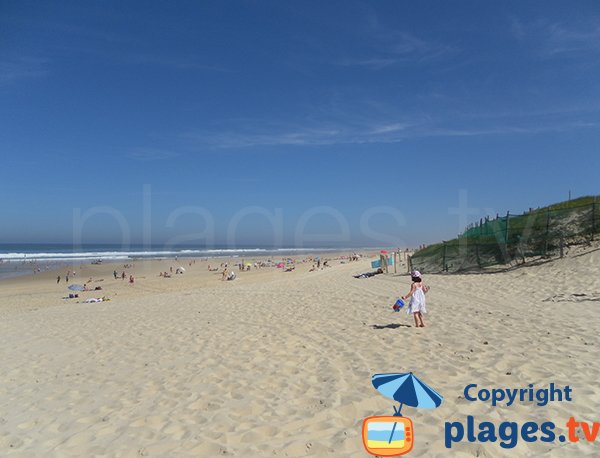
{"x": 23, "y": 259}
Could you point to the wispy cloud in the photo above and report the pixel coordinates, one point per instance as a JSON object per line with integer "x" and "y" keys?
{"x": 391, "y": 46}
{"x": 567, "y": 40}
{"x": 173, "y": 61}
{"x": 557, "y": 39}
{"x": 122, "y": 47}
{"x": 375, "y": 63}
{"x": 22, "y": 68}
{"x": 388, "y": 128}
{"x": 375, "y": 131}
{"x": 151, "y": 154}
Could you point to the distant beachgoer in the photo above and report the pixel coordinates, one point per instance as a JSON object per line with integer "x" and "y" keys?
{"x": 67, "y": 278}
{"x": 417, "y": 305}
{"x": 224, "y": 275}
{"x": 115, "y": 274}
{"x": 131, "y": 279}
{"x": 123, "y": 276}
{"x": 58, "y": 279}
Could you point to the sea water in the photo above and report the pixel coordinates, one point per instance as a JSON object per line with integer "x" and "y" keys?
{"x": 24, "y": 259}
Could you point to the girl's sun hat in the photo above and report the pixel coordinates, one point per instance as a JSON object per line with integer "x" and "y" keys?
{"x": 415, "y": 273}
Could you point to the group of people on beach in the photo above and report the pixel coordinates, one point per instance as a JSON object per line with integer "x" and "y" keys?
{"x": 228, "y": 275}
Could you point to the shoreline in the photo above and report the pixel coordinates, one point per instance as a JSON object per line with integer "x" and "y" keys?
{"x": 52, "y": 262}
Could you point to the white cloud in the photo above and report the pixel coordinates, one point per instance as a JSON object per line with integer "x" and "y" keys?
{"x": 151, "y": 154}
{"x": 376, "y": 131}
{"x": 22, "y": 68}
{"x": 557, "y": 39}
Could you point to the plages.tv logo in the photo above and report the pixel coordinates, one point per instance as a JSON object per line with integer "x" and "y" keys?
{"x": 394, "y": 435}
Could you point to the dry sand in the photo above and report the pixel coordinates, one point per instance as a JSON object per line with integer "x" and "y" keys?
{"x": 280, "y": 364}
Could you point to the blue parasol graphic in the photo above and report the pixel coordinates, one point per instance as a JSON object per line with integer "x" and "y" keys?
{"x": 406, "y": 389}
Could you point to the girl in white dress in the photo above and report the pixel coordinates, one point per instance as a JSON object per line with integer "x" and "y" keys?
{"x": 417, "y": 305}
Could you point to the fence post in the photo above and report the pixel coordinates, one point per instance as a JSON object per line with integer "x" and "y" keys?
{"x": 593, "y": 217}
{"x": 444, "y": 258}
{"x": 506, "y": 228}
{"x": 477, "y": 255}
{"x": 547, "y": 233}
{"x": 507, "y": 257}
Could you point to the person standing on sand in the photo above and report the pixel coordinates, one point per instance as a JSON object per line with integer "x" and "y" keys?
{"x": 417, "y": 305}
{"x": 58, "y": 279}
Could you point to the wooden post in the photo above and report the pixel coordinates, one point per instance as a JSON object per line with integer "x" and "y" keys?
{"x": 593, "y": 217}
{"x": 383, "y": 262}
{"x": 562, "y": 249}
{"x": 506, "y": 257}
{"x": 547, "y": 232}
{"x": 396, "y": 262}
{"x": 444, "y": 258}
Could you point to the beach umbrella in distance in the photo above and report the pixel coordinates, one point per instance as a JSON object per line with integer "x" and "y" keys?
{"x": 182, "y": 269}
{"x": 76, "y": 288}
{"x": 407, "y": 389}
{"x": 384, "y": 251}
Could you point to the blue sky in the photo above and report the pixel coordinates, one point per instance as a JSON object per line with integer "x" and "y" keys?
{"x": 245, "y": 122}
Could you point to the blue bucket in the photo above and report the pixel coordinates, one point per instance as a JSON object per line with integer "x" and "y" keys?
{"x": 398, "y": 305}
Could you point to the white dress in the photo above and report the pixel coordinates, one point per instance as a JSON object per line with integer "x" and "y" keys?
{"x": 417, "y": 301}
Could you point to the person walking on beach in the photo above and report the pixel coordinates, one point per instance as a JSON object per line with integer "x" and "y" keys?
{"x": 417, "y": 305}
{"x": 58, "y": 279}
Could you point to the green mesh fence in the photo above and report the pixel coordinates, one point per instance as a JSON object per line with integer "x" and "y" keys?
{"x": 514, "y": 238}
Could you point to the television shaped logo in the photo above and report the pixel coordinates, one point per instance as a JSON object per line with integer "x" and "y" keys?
{"x": 388, "y": 436}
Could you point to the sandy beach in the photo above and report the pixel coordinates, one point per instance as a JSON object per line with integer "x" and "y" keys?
{"x": 280, "y": 364}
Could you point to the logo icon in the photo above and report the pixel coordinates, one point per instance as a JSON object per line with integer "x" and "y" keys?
{"x": 387, "y": 436}
{"x": 394, "y": 435}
